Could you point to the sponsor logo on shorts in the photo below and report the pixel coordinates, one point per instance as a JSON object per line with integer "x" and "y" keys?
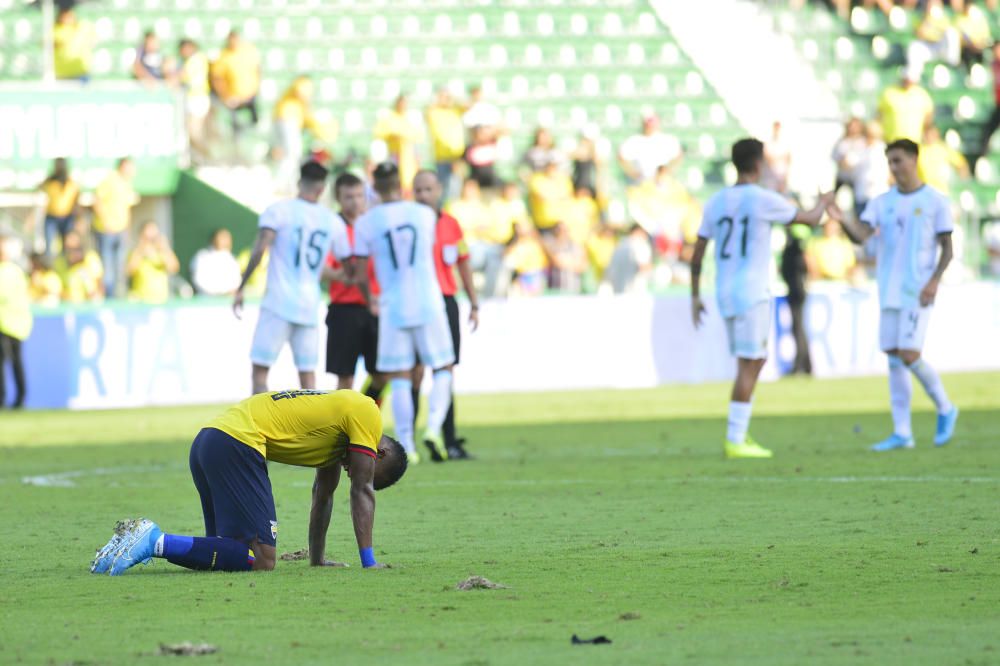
{"x": 274, "y": 529}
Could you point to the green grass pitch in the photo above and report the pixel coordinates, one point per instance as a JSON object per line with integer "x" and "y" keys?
{"x": 605, "y": 513}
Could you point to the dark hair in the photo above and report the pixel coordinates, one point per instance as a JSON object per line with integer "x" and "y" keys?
{"x": 427, "y": 172}
{"x": 313, "y": 172}
{"x": 393, "y": 464}
{"x": 746, "y": 154}
{"x": 216, "y": 232}
{"x": 121, "y": 161}
{"x": 386, "y": 177}
{"x": 186, "y": 42}
{"x": 905, "y": 145}
{"x": 345, "y": 180}
{"x": 148, "y": 34}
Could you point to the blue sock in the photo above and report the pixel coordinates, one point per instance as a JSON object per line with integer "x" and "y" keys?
{"x": 206, "y": 553}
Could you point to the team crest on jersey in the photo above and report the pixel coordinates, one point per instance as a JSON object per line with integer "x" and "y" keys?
{"x": 274, "y": 529}
{"x": 916, "y": 212}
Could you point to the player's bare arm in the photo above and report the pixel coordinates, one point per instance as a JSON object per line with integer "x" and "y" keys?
{"x": 361, "y": 470}
{"x": 814, "y": 215}
{"x": 265, "y": 237}
{"x": 697, "y": 307}
{"x": 858, "y": 232}
{"x": 327, "y": 479}
{"x": 929, "y": 292}
{"x": 356, "y": 270}
{"x": 465, "y": 273}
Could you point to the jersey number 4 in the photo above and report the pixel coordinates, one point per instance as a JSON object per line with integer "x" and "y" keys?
{"x": 724, "y": 245}
{"x": 313, "y": 251}
{"x": 397, "y": 239}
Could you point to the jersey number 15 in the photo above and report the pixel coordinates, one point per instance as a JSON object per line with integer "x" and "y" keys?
{"x": 727, "y": 222}
{"x": 313, "y": 251}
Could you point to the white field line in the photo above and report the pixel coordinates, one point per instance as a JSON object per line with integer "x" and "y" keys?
{"x": 66, "y": 479}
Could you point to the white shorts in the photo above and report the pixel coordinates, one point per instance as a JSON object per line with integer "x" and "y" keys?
{"x": 749, "y": 332}
{"x": 903, "y": 329}
{"x": 271, "y": 335}
{"x": 400, "y": 348}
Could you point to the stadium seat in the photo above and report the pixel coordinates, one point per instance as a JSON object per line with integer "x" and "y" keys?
{"x": 591, "y": 85}
{"x": 601, "y": 54}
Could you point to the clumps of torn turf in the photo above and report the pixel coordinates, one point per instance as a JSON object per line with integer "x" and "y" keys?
{"x": 294, "y": 556}
{"x": 479, "y": 583}
{"x": 187, "y": 649}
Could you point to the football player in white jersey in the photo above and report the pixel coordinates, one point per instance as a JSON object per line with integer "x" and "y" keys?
{"x": 912, "y": 222}
{"x": 300, "y": 232}
{"x": 739, "y": 220}
{"x": 413, "y": 324}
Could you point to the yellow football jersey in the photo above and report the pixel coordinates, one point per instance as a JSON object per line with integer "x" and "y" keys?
{"x": 305, "y": 428}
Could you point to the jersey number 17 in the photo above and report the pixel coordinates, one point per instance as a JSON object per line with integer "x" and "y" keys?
{"x": 396, "y": 239}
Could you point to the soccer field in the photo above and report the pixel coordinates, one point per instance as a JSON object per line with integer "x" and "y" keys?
{"x": 604, "y": 513}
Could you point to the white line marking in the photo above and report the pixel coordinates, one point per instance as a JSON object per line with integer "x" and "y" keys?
{"x": 65, "y": 479}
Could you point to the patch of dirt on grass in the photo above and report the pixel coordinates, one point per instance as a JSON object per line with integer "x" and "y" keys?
{"x": 479, "y": 583}
{"x": 294, "y": 556}
{"x": 187, "y": 649}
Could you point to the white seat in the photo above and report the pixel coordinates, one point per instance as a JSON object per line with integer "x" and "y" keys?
{"x": 466, "y": 56}
{"x": 359, "y": 89}
{"x": 329, "y": 89}
{"x": 835, "y": 80}
{"x": 274, "y": 59}
{"x": 707, "y": 146}
{"x": 556, "y": 84}
{"x": 132, "y": 29}
{"x": 250, "y": 30}
{"x": 881, "y": 47}
{"x": 305, "y": 61}
{"x": 861, "y": 19}
{"x": 379, "y": 26}
{"x": 647, "y": 24}
{"x": 314, "y": 28}
{"x": 511, "y": 24}
{"x": 810, "y": 50}
{"x": 578, "y": 24}
{"x": 669, "y": 54}
{"x": 221, "y": 28}
{"x": 533, "y": 55}
{"x": 636, "y": 54}
{"x": 624, "y": 85}
{"x": 390, "y": 89}
{"x": 545, "y": 24}
{"x": 103, "y": 62}
{"x": 601, "y": 55}
{"x": 868, "y": 80}
{"x": 22, "y": 31}
{"x": 694, "y": 84}
{"x": 369, "y": 57}
{"x": 546, "y": 116}
{"x": 345, "y": 26}
{"x": 498, "y": 55}
{"x": 424, "y": 88}
{"x": 717, "y": 114}
{"x": 104, "y": 29}
{"x": 694, "y": 178}
{"x": 268, "y": 90}
{"x": 591, "y": 85}
{"x": 682, "y": 115}
{"x": 512, "y": 117}
{"x": 966, "y": 108}
{"x": 612, "y": 24}
{"x": 433, "y": 56}
{"x": 335, "y": 58}
{"x": 659, "y": 84}
{"x": 844, "y": 48}
{"x": 477, "y": 24}
{"x": 353, "y": 120}
{"x": 578, "y": 117}
{"x": 567, "y": 55}
{"x": 940, "y": 77}
{"x": 489, "y": 85}
{"x": 282, "y": 28}
{"x": 411, "y": 25}
{"x": 519, "y": 86}
{"x": 401, "y": 56}
{"x": 613, "y": 116}
{"x": 442, "y": 24}
{"x": 126, "y": 59}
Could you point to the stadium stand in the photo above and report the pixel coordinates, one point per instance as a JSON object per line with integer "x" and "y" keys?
{"x": 560, "y": 64}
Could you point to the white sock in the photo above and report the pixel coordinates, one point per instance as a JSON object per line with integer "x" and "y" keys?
{"x": 900, "y": 392}
{"x": 158, "y": 548}
{"x": 931, "y": 381}
{"x": 402, "y": 412}
{"x": 739, "y": 421}
{"x": 440, "y": 399}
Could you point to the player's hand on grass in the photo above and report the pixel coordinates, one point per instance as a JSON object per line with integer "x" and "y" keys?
{"x": 929, "y": 292}
{"x": 238, "y": 304}
{"x": 697, "y": 310}
{"x": 331, "y": 563}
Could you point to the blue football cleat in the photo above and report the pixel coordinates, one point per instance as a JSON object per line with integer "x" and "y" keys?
{"x": 106, "y": 555}
{"x": 945, "y": 427}
{"x": 136, "y": 546}
{"x": 894, "y": 442}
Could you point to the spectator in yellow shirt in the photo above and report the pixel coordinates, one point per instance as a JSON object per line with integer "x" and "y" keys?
{"x": 80, "y": 271}
{"x": 72, "y": 46}
{"x": 830, "y": 257}
{"x": 113, "y": 202}
{"x": 939, "y": 163}
{"x": 485, "y": 232}
{"x": 193, "y": 78}
{"x": 150, "y": 266}
{"x": 974, "y": 30}
{"x": 447, "y": 133}
{"x": 400, "y": 136}
{"x": 905, "y": 108}
{"x": 44, "y": 285}
{"x": 527, "y": 260}
{"x": 937, "y": 38}
{"x": 600, "y": 248}
{"x": 549, "y": 193}
{"x": 293, "y": 115}
{"x": 15, "y": 321}
{"x": 236, "y": 78}
{"x": 582, "y": 215}
{"x": 62, "y": 195}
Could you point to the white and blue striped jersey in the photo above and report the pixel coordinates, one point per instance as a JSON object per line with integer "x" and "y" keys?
{"x": 907, "y": 227}
{"x": 739, "y": 219}
{"x": 304, "y": 234}
{"x": 399, "y": 236}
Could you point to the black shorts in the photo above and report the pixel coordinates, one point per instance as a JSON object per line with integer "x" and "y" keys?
{"x": 235, "y": 490}
{"x": 352, "y": 331}
{"x": 451, "y": 307}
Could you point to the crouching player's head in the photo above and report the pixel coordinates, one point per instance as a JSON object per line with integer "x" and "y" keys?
{"x": 390, "y": 465}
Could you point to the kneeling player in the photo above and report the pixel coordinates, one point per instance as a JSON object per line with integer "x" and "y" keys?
{"x": 325, "y": 430}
